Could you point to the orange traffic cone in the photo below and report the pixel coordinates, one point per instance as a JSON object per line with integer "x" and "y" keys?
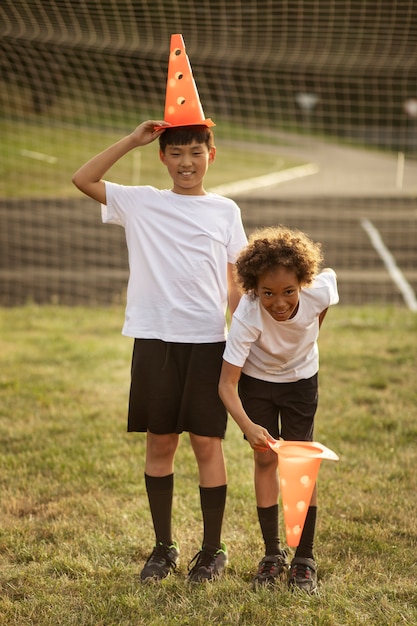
{"x": 182, "y": 102}
{"x": 298, "y": 464}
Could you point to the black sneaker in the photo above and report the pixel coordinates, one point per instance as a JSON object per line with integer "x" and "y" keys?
{"x": 270, "y": 568}
{"x": 303, "y": 574}
{"x": 208, "y": 565}
{"x": 161, "y": 562}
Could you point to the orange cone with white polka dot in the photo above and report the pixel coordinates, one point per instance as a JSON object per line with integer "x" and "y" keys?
{"x": 182, "y": 102}
{"x": 298, "y": 464}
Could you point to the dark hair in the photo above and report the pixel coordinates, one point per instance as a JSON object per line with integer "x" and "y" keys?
{"x": 183, "y": 135}
{"x": 274, "y": 247}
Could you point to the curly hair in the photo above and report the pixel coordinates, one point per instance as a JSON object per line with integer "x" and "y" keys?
{"x": 271, "y": 247}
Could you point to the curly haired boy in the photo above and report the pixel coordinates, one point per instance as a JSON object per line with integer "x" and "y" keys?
{"x": 269, "y": 377}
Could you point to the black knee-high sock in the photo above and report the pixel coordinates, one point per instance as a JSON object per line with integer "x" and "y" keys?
{"x": 268, "y": 521}
{"x": 305, "y": 547}
{"x": 160, "y": 490}
{"x": 213, "y": 503}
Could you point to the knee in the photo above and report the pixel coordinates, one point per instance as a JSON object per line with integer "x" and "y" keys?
{"x": 266, "y": 461}
{"x": 161, "y": 446}
{"x": 206, "y": 448}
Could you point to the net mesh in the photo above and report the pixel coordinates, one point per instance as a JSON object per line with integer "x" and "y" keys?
{"x": 283, "y": 81}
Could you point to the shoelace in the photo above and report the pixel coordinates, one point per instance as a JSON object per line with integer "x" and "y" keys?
{"x": 161, "y": 553}
{"x": 202, "y": 559}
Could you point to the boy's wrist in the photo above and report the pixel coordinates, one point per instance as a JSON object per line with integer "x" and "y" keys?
{"x": 131, "y": 141}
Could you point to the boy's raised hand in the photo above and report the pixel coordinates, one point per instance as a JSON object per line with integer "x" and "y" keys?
{"x": 148, "y": 131}
{"x": 88, "y": 178}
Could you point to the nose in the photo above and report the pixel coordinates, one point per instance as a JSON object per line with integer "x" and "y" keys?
{"x": 186, "y": 160}
{"x": 278, "y": 303}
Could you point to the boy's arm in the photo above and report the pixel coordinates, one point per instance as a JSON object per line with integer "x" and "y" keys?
{"x": 233, "y": 294}
{"x": 256, "y": 435}
{"x": 88, "y": 178}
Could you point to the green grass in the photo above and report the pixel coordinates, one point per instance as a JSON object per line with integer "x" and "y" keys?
{"x": 74, "y": 521}
{"x": 38, "y": 158}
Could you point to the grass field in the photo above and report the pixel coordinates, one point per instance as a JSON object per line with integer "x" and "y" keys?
{"x": 37, "y": 159}
{"x": 74, "y": 521}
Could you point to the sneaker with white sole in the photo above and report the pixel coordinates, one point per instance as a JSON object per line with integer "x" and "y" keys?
{"x": 207, "y": 565}
{"x": 161, "y": 562}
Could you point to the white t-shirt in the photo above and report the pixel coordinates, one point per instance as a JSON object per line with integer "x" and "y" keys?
{"x": 178, "y": 249}
{"x": 280, "y": 351}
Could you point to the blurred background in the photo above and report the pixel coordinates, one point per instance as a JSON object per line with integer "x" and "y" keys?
{"x": 315, "y": 105}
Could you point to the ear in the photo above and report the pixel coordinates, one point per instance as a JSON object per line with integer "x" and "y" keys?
{"x": 212, "y": 154}
{"x": 162, "y": 157}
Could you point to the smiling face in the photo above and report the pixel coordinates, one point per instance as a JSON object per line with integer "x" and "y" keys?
{"x": 187, "y": 165}
{"x": 279, "y": 290}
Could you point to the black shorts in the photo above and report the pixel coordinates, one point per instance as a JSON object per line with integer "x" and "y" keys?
{"x": 174, "y": 388}
{"x": 286, "y": 410}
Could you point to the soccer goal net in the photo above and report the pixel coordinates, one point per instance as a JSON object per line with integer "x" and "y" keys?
{"x": 285, "y": 82}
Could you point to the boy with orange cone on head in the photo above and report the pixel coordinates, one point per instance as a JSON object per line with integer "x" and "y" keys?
{"x": 269, "y": 379}
{"x": 182, "y": 244}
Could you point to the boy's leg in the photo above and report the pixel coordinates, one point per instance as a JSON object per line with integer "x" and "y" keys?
{"x": 160, "y": 490}
{"x": 266, "y": 491}
{"x": 210, "y": 562}
{"x": 159, "y": 481}
{"x": 303, "y": 569}
{"x": 257, "y": 399}
{"x": 213, "y": 502}
{"x": 268, "y": 521}
{"x": 305, "y": 547}
{"x": 298, "y": 408}
{"x": 266, "y": 478}
{"x": 275, "y": 562}
{"x": 213, "y": 486}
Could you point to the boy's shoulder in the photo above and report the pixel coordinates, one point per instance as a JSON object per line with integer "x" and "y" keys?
{"x": 248, "y": 308}
{"x": 135, "y": 193}
{"x": 220, "y": 200}
{"x": 324, "y": 288}
{"x": 119, "y": 187}
{"x": 325, "y": 277}
{"x": 219, "y": 197}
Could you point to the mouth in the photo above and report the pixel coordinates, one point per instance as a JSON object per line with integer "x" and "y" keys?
{"x": 280, "y": 314}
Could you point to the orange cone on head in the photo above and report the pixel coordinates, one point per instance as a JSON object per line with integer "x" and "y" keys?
{"x": 298, "y": 463}
{"x": 182, "y": 102}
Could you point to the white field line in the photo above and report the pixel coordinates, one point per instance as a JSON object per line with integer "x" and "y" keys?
{"x": 389, "y": 262}
{"x": 249, "y": 184}
{"x": 38, "y": 156}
